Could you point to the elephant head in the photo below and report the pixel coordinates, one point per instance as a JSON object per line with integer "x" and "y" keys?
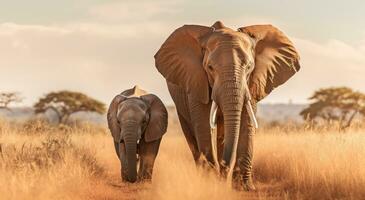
{"x": 131, "y": 119}
{"x": 227, "y": 67}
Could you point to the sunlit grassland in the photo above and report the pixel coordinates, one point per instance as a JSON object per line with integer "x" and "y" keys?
{"x": 41, "y": 161}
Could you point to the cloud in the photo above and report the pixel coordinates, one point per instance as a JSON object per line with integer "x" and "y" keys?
{"x": 133, "y": 10}
{"x": 90, "y": 58}
{"x": 109, "y": 51}
{"x": 101, "y": 59}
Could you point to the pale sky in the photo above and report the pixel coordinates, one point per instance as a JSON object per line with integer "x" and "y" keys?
{"x": 101, "y": 47}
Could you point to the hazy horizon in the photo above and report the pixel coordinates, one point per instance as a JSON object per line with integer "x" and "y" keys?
{"x": 101, "y": 48}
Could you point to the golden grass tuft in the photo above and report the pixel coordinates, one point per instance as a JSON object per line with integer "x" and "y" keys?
{"x": 311, "y": 165}
{"x": 42, "y": 161}
{"x": 45, "y": 165}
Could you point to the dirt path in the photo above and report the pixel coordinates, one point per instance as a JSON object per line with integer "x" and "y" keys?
{"x": 175, "y": 177}
{"x": 112, "y": 188}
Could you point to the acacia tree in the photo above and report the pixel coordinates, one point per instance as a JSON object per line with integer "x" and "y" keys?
{"x": 340, "y": 104}
{"x": 6, "y": 98}
{"x": 66, "y": 103}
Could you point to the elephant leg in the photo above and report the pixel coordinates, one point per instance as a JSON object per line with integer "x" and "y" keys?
{"x": 242, "y": 175}
{"x": 189, "y": 136}
{"x": 199, "y": 114}
{"x": 181, "y": 102}
{"x": 148, "y": 153}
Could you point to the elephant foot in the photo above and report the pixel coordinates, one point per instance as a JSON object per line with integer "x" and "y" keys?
{"x": 124, "y": 176}
{"x": 245, "y": 185}
{"x": 248, "y": 186}
{"x": 145, "y": 174}
{"x": 145, "y": 180}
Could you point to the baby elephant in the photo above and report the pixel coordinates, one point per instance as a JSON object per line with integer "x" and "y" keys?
{"x": 137, "y": 121}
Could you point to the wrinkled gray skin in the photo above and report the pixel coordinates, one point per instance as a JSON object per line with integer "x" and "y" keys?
{"x": 128, "y": 118}
{"x": 203, "y": 65}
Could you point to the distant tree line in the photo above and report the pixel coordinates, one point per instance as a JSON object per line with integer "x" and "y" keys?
{"x": 7, "y": 98}
{"x": 66, "y": 103}
{"x": 335, "y": 104}
{"x": 62, "y": 103}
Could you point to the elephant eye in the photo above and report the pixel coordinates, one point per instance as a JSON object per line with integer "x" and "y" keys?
{"x": 145, "y": 120}
{"x": 144, "y": 124}
{"x": 250, "y": 67}
{"x": 210, "y": 67}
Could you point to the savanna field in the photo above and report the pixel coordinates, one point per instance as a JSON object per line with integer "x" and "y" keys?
{"x": 42, "y": 161}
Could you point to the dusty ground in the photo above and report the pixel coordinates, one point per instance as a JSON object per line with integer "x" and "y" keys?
{"x": 38, "y": 161}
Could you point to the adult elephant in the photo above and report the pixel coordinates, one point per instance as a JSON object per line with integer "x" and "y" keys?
{"x": 221, "y": 69}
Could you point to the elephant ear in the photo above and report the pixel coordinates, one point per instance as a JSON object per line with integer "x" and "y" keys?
{"x": 157, "y": 125}
{"x": 112, "y": 117}
{"x": 180, "y": 59}
{"x": 276, "y": 59}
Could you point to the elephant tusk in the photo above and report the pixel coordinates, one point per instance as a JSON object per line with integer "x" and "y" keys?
{"x": 251, "y": 114}
{"x": 213, "y": 132}
{"x": 213, "y": 113}
{"x": 232, "y": 163}
{"x": 249, "y": 107}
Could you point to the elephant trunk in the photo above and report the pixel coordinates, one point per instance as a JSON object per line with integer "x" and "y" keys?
{"x": 130, "y": 141}
{"x": 231, "y": 104}
{"x": 232, "y": 124}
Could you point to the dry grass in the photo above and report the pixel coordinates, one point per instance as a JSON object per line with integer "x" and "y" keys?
{"x": 39, "y": 161}
{"x": 313, "y": 165}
